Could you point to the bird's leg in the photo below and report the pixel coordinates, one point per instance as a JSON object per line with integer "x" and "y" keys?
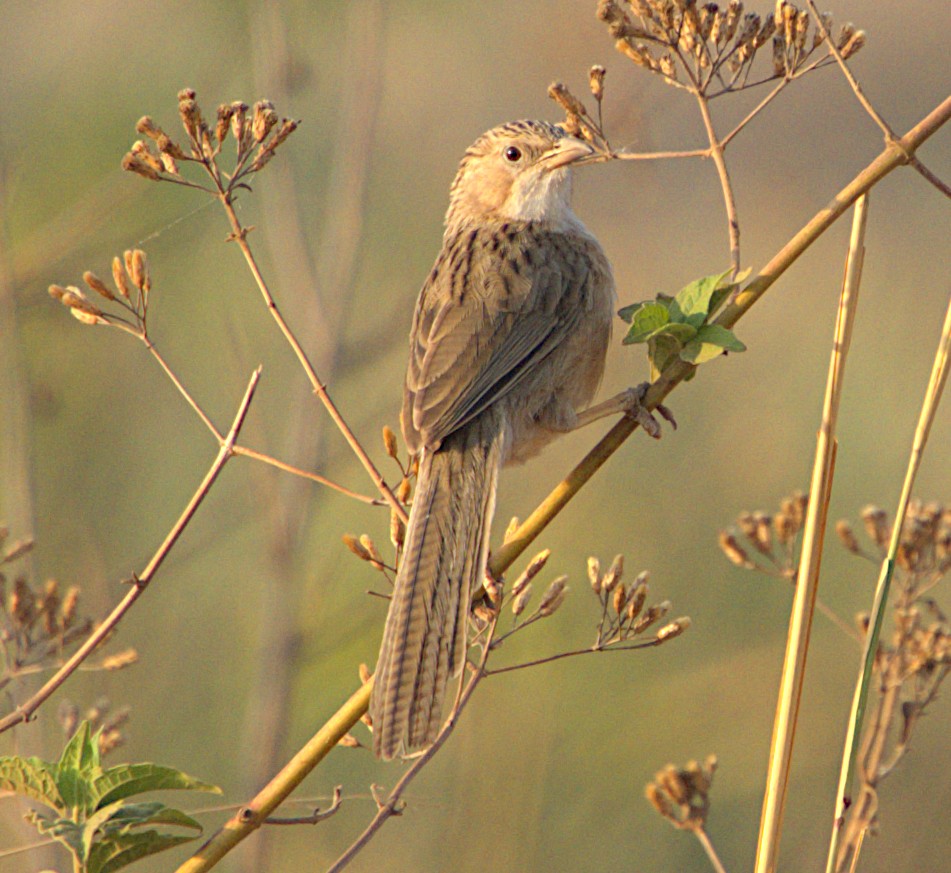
{"x": 629, "y": 402}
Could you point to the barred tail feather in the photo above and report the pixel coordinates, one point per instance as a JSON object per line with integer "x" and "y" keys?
{"x": 444, "y": 557}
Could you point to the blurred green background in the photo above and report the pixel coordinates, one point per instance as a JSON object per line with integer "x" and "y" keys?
{"x": 252, "y": 632}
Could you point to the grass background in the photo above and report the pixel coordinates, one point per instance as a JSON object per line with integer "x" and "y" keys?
{"x": 99, "y": 454}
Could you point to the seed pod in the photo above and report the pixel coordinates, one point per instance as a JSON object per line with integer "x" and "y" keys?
{"x": 620, "y": 598}
{"x": 397, "y": 529}
{"x": 520, "y": 601}
{"x": 659, "y": 800}
{"x": 614, "y": 574}
{"x": 594, "y": 574}
{"x": 635, "y": 602}
{"x": 376, "y": 559}
{"x": 734, "y": 551}
{"x": 673, "y": 629}
{"x": 389, "y": 441}
{"x": 845, "y": 533}
{"x": 596, "y": 81}
{"x": 355, "y": 546}
{"x": 531, "y": 571}
{"x": 554, "y": 596}
{"x": 119, "y": 277}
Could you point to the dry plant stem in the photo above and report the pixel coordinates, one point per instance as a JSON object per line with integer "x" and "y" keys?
{"x": 939, "y": 375}
{"x": 729, "y": 201}
{"x": 238, "y": 450}
{"x": 239, "y": 235}
{"x": 866, "y": 103}
{"x": 390, "y": 806}
{"x": 346, "y": 717}
{"x": 807, "y": 582}
{"x": 139, "y": 583}
{"x": 707, "y": 844}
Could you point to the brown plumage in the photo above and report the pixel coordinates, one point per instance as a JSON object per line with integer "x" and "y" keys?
{"x": 507, "y": 346}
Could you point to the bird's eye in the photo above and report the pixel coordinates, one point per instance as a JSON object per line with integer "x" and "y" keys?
{"x": 513, "y": 154}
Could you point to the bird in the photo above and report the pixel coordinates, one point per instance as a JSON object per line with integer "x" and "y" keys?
{"x": 507, "y": 350}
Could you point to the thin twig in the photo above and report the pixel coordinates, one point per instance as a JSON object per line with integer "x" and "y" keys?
{"x": 24, "y": 711}
{"x": 390, "y": 806}
{"x": 316, "y": 816}
{"x": 807, "y": 582}
{"x": 611, "y": 647}
{"x": 239, "y": 235}
{"x": 707, "y": 844}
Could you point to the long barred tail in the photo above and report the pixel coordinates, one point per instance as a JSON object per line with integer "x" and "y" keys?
{"x": 446, "y": 545}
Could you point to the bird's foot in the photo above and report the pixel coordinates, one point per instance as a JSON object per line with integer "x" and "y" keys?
{"x": 632, "y": 401}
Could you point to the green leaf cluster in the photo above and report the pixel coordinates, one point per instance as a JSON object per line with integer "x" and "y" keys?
{"x": 678, "y": 327}
{"x": 93, "y": 816}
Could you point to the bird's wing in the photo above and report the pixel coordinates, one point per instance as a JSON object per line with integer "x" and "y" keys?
{"x": 496, "y": 303}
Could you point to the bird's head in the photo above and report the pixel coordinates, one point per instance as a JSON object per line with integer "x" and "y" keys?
{"x": 519, "y": 171}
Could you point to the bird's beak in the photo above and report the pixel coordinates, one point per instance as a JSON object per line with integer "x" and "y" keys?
{"x": 568, "y": 150}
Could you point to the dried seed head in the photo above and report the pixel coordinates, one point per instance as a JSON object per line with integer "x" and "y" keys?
{"x": 614, "y": 574}
{"x": 763, "y": 534}
{"x": 389, "y": 441}
{"x": 734, "y": 551}
{"x": 596, "y": 81}
{"x": 846, "y": 32}
{"x": 651, "y": 616}
{"x": 402, "y": 491}
{"x": 70, "y": 602}
{"x": 667, "y": 66}
{"x": 239, "y": 112}
{"x": 559, "y": 92}
{"x": 190, "y": 114}
{"x": 363, "y": 671}
{"x": 876, "y": 525}
{"x": 225, "y": 111}
{"x": 620, "y": 598}
{"x": 263, "y": 120}
{"x": 784, "y": 528}
{"x": 660, "y": 801}
{"x": 734, "y": 13}
{"x": 826, "y": 19}
{"x": 138, "y": 268}
{"x": 594, "y": 574}
{"x": 96, "y": 284}
{"x": 672, "y": 781}
{"x": 854, "y": 44}
{"x": 122, "y": 659}
{"x": 635, "y": 603}
{"x": 554, "y": 596}
{"x": 531, "y": 571}
{"x": 520, "y": 601}
{"x": 397, "y": 529}
{"x": 376, "y": 559}
{"x": 147, "y": 127}
{"x": 673, "y": 629}
{"x": 167, "y": 146}
{"x": 844, "y": 532}
{"x": 22, "y": 604}
{"x": 492, "y": 589}
{"x": 637, "y": 52}
{"x": 119, "y": 277}
{"x": 134, "y": 164}
{"x": 355, "y": 546}
{"x": 144, "y": 153}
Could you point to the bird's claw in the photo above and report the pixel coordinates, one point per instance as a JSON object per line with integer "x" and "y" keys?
{"x": 634, "y": 407}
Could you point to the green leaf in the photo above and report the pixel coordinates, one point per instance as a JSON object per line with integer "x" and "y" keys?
{"x": 680, "y": 331}
{"x": 712, "y": 341}
{"x": 81, "y": 752}
{"x": 63, "y": 830}
{"x": 692, "y": 303}
{"x": 646, "y": 321}
{"x": 724, "y": 290}
{"x": 127, "y": 780}
{"x": 32, "y": 778}
{"x": 118, "y": 842}
{"x": 111, "y": 855}
{"x": 661, "y": 351}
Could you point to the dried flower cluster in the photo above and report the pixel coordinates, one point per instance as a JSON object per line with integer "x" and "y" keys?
{"x": 100, "y": 718}
{"x": 770, "y": 537}
{"x": 130, "y": 275}
{"x": 38, "y": 624}
{"x": 710, "y": 49}
{"x": 257, "y": 133}
{"x": 682, "y": 794}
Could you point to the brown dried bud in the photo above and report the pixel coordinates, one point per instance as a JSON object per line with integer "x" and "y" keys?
{"x": 389, "y": 441}
{"x": 96, "y": 284}
{"x": 620, "y": 598}
{"x": 190, "y": 113}
{"x": 854, "y": 44}
{"x": 397, "y": 529}
{"x": 765, "y": 32}
{"x": 134, "y": 164}
{"x": 520, "y": 601}
{"x": 637, "y": 52}
{"x": 784, "y": 528}
{"x": 349, "y": 741}
{"x": 826, "y": 19}
{"x": 144, "y": 153}
{"x": 763, "y": 534}
{"x": 376, "y": 559}
{"x": 225, "y": 111}
{"x": 666, "y": 65}
{"x": 635, "y": 603}
{"x": 70, "y": 602}
{"x": 596, "y": 81}
{"x": 120, "y": 660}
{"x": 844, "y": 532}
{"x": 651, "y": 616}
{"x": 876, "y": 525}
{"x": 138, "y": 268}
{"x": 554, "y": 596}
{"x": 845, "y": 34}
{"x": 559, "y": 92}
{"x": 239, "y": 112}
{"x": 363, "y": 671}
{"x": 147, "y": 127}
{"x": 659, "y": 800}
{"x": 22, "y": 604}
{"x": 594, "y": 574}
{"x": 734, "y": 551}
{"x": 531, "y": 571}
{"x": 119, "y": 277}
{"x": 733, "y": 13}
{"x": 263, "y": 120}
{"x": 167, "y": 146}
{"x": 672, "y": 781}
{"x": 355, "y": 546}
{"x": 614, "y": 574}
{"x": 492, "y": 589}
{"x": 674, "y": 629}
